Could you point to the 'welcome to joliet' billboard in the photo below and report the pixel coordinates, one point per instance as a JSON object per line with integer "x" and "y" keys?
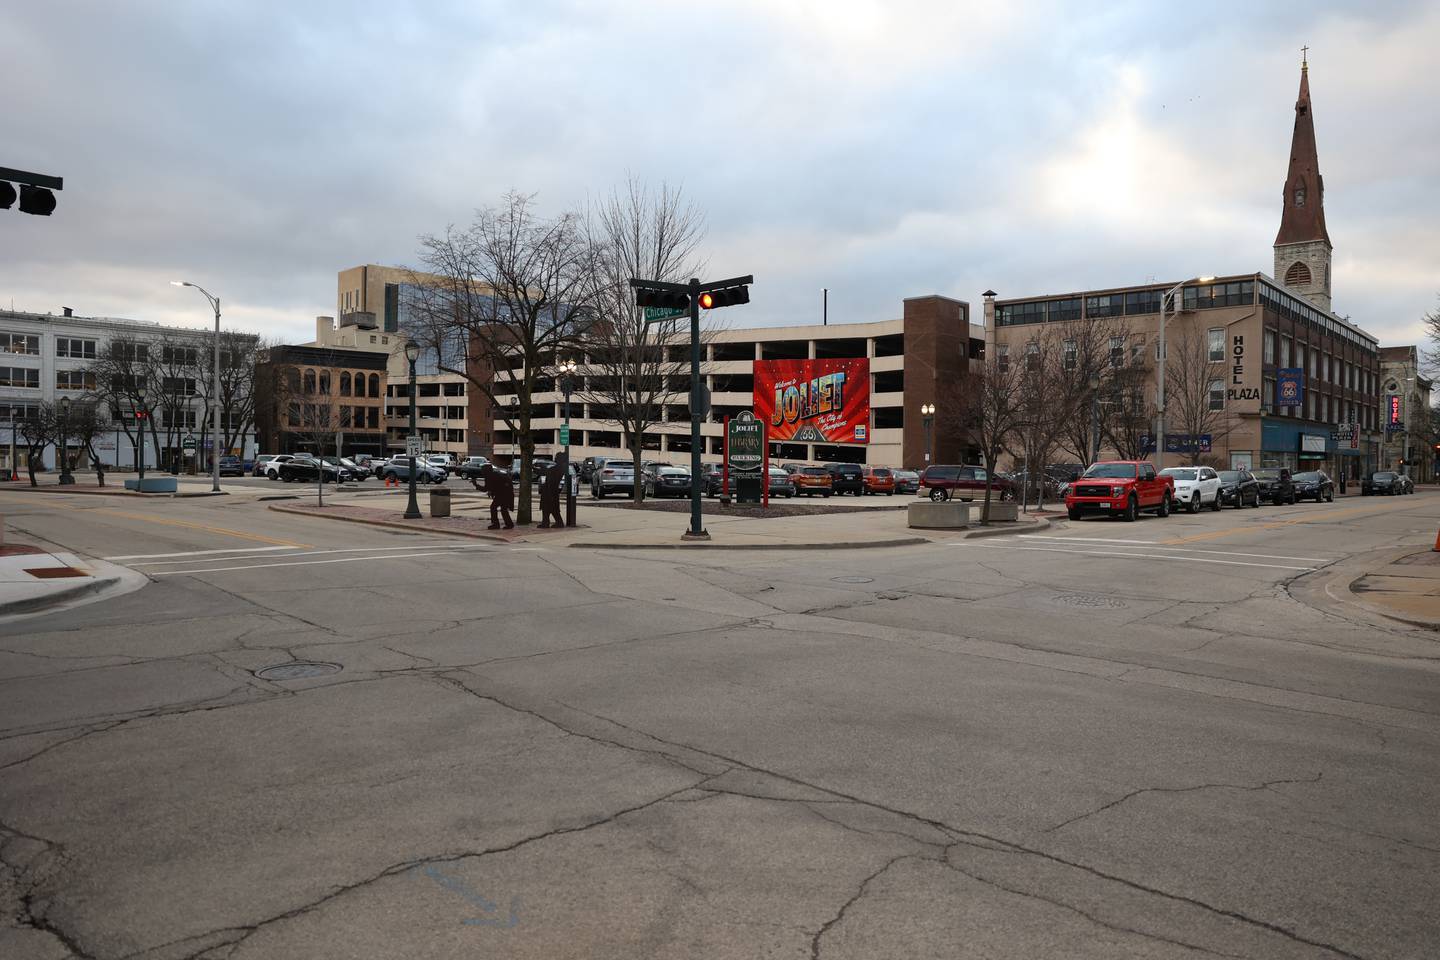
{"x": 814, "y": 401}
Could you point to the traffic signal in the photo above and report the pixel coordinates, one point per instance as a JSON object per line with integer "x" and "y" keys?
{"x": 36, "y": 200}
{"x": 728, "y": 297}
{"x": 650, "y": 297}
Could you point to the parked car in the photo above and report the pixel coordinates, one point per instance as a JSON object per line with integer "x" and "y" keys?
{"x": 616, "y": 476}
{"x": 711, "y": 475}
{"x": 792, "y": 468}
{"x": 358, "y": 472}
{"x": 537, "y": 466}
{"x": 1239, "y": 487}
{"x": 667, "y": 481}
{"x": 268, "y": 464}
{"x": 1314, "y": 485}
{"x": 847, "y": 478}
{"x": 311, "y": 470}
{"x": 399, "y": 469}
{"x": 589, "y": 465}
{"x": 1381, "y": 482}
{"x": 1120, "y": 488}
{"x": 1195, "y": 487}
{"x": 1275, "y": 485}
{"x": 878, "y": 480}
{"x": 964, "y": 482}
{"x": 907, "y": 481}
{"x": 780, "y": 483}
{"x": 813, "y": 480}
{"x": 231, "y": 467}
{"x": 470, "y": 467}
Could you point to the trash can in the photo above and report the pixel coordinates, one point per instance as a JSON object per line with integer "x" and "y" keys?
{"x": 439, "y": 502}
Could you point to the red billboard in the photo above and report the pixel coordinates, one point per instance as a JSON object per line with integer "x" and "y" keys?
{"x": 814, "y": 401}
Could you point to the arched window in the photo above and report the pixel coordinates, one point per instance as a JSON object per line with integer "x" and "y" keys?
{"x": 345, "y": 383}
{"x": 374, "y": 384}
{"x": 1298, "y": 274}
{"x": 309, "y": 381}
{"x": 325, "y": 383}
{"x": 1299, "y": 196}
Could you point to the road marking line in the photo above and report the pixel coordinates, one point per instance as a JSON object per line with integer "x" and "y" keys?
{"x": 1145, "y": 556}
{"x": 310, "y": 553}
{"x": 195, "y": 553}
{"x": 1327, "y": 515}
{"x": 302, "y": 563}
{"x": 1162, "y": 546}
{"x": 224, "y": 532}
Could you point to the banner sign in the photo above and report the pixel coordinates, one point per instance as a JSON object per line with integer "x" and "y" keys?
{"x": 1290, "y": 387}
{"x": 1311, "y": 443}
{"x": 746, "y": 447}
{"x": 1178, "y": 443}
{"x": 814, "y": 401}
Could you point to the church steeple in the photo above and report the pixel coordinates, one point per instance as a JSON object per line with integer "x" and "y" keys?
{"x": 1302, "y": 246}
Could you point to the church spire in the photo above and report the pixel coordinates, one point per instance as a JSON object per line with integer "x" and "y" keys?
{"x": 1302, "y": 246}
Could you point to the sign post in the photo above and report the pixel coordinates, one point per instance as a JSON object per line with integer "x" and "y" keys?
{"x": 745, "y": 455}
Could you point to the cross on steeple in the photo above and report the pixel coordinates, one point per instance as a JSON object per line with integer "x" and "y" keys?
{"x": 1304, "y": 58}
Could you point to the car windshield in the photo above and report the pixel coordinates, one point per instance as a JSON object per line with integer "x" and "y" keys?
{"x": 1307, "y": 477}
{"x": 1179, "y": 473}
{"x": 1267, "y": 474}
{"x": 1230, "y": 476}
{"x": 1122, "y": 471}
{"x": 1383, "y": 476}
{"x": 815, "y": 472}
{"x": 881, "y": 472}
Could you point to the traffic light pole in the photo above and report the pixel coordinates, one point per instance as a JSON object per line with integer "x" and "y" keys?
{"x": 697, "y": 528}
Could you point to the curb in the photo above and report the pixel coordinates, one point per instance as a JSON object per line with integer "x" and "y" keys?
{"x": 841, "y": 544}
{"x": 1042, "y": 523}
{"x": 1356, "y": 597}
{"x": 32, "y": 604}
{"x": 1332, "y": 589}
{"x": 394, "y": 524}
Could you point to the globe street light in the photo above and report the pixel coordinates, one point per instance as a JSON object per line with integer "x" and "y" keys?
{"x": 65, "y": 477}
{"x": 412, "y": 353}
{"x": 567, "y": 370}
{"x": 214, "y": 387}
{"x": 927, "y": 416}
{"x": 142, "y": 415}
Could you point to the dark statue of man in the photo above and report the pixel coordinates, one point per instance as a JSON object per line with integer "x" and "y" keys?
{"x": 502, "y": 496}
{"x": 550, "y": 484}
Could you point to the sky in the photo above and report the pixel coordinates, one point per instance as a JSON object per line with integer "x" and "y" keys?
{"x": 881, "y": 149}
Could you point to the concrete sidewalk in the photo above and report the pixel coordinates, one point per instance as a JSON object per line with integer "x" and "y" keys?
{"x": 34, "y": 579}
{"x": 1407, "y": 588}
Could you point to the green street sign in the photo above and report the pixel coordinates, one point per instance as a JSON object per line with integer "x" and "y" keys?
{"x": 747, "y": 443}
{"x": 564, "y": 434}
{"x": 656, "y": 314}
{"x": 188, "y": 443}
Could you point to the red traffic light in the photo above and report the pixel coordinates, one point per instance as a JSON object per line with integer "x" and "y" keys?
{"x": 707, "y": 300}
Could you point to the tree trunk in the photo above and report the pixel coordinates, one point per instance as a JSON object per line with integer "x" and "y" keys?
{"x": 636, "y": 452}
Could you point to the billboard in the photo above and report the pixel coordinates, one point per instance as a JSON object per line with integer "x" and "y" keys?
{"x": 1290, "y": 389}
{"x": 814, "y": 401}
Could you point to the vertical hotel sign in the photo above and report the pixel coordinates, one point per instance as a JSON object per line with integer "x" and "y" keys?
{"x": 1290, "y": 387}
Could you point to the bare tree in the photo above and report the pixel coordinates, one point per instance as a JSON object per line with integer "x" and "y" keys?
{"x": 633, "y": 369}
{"x": 38, "y": 430}
{"x": 305, "y": 406}
{"x": 1041, "y": 400}
{"x": 122, "y": 371}
{"x": 173, "y": 385}
{"x": 237, "y": 394}
{"x": 84, "y": 422}
{"x": 1431, "y": 322}
{"x": 497, "y": 302}
{"x": 1194, "y": 392}
{"x": 989, "y": 401}
{"x": 1127, "y": 412}
{"x": 1091, "y": 350}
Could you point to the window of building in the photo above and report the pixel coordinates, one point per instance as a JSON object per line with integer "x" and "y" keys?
{"x": 1013, "y": 314}
{"x": 1284, "y": 351}
{"x": 74, "y": 380}
{"x": 1143, "y": 301}
{"x": 1110, "y": 305}
{"x": 1299, "y": 196}
{"x": 1267, "y": 397}
{"x": 1117, "y": 351}
{"x": 1069, "y": 355}
{"x": 75, "y": 348}
{"x": 1298, "y": 274}
{"x": 384, "y": 340}
{"x": 178, "y": 386}
{"x": 325, "y": 383}
{"x": 344, "y": 383}
{"x": 1270, "y": 347}
{"x": 26, "y": 343}
{"x": 129, "y": 352}
{"x": 309, "y": 381}
{"x": 374, "y": 384}
{"x": 372, "y": 338}
{"x": 1032, "y": 356}
{"x": 1217, "y": 394}
{"x": 179, "y": 356}
{"x": 24, "y": 377}
{"x": 1215, "y": 342}
{"x": 17, "y": 412}
{"x": 1060, "y": 310}
{"x": 1002, "y": 357}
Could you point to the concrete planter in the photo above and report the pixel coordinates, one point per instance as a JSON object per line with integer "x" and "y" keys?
{"x": 1008, "y": 511}
{"x": 152, "y": 485}
{"x": 944, "y": 515}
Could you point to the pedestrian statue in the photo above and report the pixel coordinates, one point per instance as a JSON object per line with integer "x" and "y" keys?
{"x": 550, "y": 497}
{"x": 502, "y": 496}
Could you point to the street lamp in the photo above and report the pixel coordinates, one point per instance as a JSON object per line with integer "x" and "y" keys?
{"x": 142, "y": 415}
{"x": 1160, "y": 371}
{"x": 927, "y": 416}
{"x": 65, "y": 477}
{"x": 1094, "y": 418}
{"x": 214, "y": 386}
{"x": 567, "y": 370}
{"x": 412, "y": 353}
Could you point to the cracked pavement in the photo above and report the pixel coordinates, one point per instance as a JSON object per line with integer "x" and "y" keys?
{"x": 984, "y": 751}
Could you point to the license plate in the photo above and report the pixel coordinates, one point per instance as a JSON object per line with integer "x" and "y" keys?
{"x": 1103, "y": 506}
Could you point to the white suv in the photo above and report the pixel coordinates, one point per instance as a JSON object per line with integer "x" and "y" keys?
{"x": 272, "y": 466}
{"x": 1195, "y": 487}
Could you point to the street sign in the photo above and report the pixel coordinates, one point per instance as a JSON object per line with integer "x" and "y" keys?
{"x": 188, "y": 443}
{"x": 564, "y": 434}
{"x": 414, "y": 445}
{"x": 746, "y": 443}
{"x": 656, "y": 314}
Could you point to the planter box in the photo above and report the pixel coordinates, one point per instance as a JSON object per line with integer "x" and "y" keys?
{"x": 152, "y": 485}
{"x": 945, "y": 515}
{"x": 1008, "y": 511}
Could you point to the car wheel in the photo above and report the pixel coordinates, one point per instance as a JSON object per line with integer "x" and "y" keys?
{"x": 1330, "y": 496}
{"x": 1073, "y": 514}
{"x": 1132, "y": 509}
{"x": 1164, "y": 508}
{"x": 1216, "y": 504}
{"x": 826, "y": 494}
{"x": 937, "y": 494}
{"x": 1194, "y": 505}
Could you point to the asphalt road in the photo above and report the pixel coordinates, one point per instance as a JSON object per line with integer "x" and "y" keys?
{"x": 1108, "y": 740}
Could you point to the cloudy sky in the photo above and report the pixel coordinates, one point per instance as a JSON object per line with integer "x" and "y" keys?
{"x": 882, "y": 149}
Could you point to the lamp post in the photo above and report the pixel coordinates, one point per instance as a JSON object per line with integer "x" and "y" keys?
{"x": 927, "y": 417}
{"x": 567, "y": 383}
{"x": 1160, "y": 371}
{"x": 142, "y": 415}
{"x": 1094, "y": 418}
{"x": 214, "y": 386}
{"x": 412, "y": 353}
{"x": 65, "y": 477}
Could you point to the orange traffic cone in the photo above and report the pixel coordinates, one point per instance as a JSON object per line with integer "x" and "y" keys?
{"x": 1436, "y": 548}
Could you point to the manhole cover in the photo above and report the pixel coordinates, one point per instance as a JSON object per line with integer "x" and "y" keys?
{"x": 1089, "y": 600}
{"x": 853, "y": 579}
{"x": 297, "y": 670}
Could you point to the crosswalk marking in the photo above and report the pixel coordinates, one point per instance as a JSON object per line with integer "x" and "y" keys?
{"x": 1163, "y": 546}
{"x": 1096, "y": 552}
{"x": 449, "y": 545}
{"x": 306, "y": 563}
{"x": 198, "y": 553}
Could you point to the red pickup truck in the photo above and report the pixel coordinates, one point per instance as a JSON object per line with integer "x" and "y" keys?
{"x": 1120, "y": 488}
